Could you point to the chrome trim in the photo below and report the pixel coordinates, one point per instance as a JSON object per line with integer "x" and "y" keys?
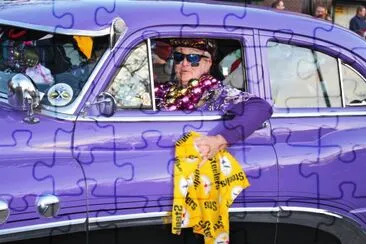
{"x": 340, "y": 74}
{"x": 4, "y": 99}
{"x": 310, "y": 210}
{"x": 254, "y": 209}
{"x": 4, "y": 211}
{"x": 176, "y": 118}
{"x": 159, "y": 215}
{"x": 231, "y": 210}
{"x": 150, "y": 118}
{"x": 149, "y": 55}
{"x": 42, "y": 226}
{"x": 128, "y": 216}
{"x": 59, "y": 30}
{"x": 71, "y": 109}
{"x": 358, "y": 210}
{"x": 112, "y": 32}
{"x": 48, "y": 205}
{"x": 57, "y": 115}
{"x": 319, "y": 114}
{"x": 358, "y": 73}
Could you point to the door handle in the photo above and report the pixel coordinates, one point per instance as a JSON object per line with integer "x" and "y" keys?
{"x": 264, "y": 125}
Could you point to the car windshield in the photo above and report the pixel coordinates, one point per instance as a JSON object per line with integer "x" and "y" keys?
{"x": 59, "y": 65}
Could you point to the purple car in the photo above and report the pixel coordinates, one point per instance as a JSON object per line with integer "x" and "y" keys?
{"x": 84, "y": 149}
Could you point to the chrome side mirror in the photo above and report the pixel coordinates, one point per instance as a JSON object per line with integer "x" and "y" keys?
{"x": 106, "y": 104}
{"x": 118, "y": 28}
{"x": 24, "y": 96}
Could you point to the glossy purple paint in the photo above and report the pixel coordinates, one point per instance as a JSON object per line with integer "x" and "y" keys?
{"x": 126, "y": 167}
{"x": 38, "y": 160}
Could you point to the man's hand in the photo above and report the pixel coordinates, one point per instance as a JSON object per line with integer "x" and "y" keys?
{"x": 209, "y": 146}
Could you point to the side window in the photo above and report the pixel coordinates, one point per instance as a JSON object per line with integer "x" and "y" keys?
{"x": 232, "y": 68}
{"x": 354, "y": 86}
{"x": 175, "y": 70}
{"x": 227, "y": 66}
{"x": 301, "y": 77}
{"x": 192, "y": 73}
{"x": 131, "y": 86}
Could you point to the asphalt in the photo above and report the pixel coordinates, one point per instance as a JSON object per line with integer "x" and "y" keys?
{"x": 240, "y": 233}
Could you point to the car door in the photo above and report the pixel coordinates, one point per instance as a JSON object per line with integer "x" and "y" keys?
{"x": 317, "y": 127}
{"x": 128, "y": 157}
{"x": 42, "y": 191}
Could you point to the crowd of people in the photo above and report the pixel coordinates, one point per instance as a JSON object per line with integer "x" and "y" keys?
{"x": 357, "y": 23}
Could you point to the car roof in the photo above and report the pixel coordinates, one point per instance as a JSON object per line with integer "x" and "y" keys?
{"x": 95, "y": 17}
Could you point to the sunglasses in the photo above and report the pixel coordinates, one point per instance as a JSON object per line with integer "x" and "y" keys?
{"x": 193, "y": 58}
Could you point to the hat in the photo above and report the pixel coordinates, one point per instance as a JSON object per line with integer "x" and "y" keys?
{"x": 162, "y": 49}
{"x": 202, "y": 44}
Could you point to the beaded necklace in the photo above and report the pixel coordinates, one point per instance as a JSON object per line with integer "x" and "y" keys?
{"x": 171, "y": 96}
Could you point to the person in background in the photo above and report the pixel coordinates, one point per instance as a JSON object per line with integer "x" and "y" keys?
{"x": 358, "y": 22}
{"x": 321, "y": 12}
{"x": 278, "y": 4}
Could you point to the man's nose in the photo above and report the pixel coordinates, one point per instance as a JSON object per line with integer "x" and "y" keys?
{"x": 185, "y": 62}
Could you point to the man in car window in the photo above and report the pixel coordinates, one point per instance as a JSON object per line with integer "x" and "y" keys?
{"x": 195, "y": 89}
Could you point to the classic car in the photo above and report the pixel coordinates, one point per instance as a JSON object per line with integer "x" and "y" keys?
{"x": 84, "y": 149}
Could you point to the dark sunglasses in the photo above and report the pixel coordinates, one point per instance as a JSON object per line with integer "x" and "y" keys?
{"x": 193, "y": 58}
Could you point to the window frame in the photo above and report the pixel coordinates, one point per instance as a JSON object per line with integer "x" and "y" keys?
{"x": 337, "y": 60}
{"x": 340, "y": 64}
{"x": 145, "y": 115}
{"x": 67, "y": 112}
{"x": 146, "y": 43}
{"x": 342, "y": 55}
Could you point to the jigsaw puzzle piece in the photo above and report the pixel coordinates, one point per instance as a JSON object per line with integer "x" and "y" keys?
{"x": 37, "y": 160}
{"x": 340, "y": 161}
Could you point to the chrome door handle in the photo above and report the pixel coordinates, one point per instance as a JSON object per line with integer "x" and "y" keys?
{"x": 4, "y": 211}
{"x": 48, "y": 205}
{"x": 264, "y": 125}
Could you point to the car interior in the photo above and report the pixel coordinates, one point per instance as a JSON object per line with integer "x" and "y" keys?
{"x": 48, "y": 59}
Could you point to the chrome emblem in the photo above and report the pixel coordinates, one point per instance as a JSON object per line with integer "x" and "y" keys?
{"x": 60, "y": 94}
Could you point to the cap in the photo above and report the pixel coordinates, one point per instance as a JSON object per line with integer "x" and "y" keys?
{"x": 202, "y": 44}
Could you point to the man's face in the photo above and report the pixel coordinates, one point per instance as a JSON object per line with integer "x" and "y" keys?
{"x": 184, "y": 69}
{"x": 362, "y": 13}
{"x": 280, "y": 5}
{"x": 320, "y": 12}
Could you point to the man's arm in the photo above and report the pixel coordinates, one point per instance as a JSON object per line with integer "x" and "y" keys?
{"x": 248, "y": 117}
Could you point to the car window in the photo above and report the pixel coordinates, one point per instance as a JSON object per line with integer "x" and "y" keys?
{"x": 228, "y": 66}
{"x": 59, "y": 65}
{"x": 301, "y": 77}
{"x": 354, "y": 86}
{"x": 131, "y": 86}
{"x": 232, "y": 68}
